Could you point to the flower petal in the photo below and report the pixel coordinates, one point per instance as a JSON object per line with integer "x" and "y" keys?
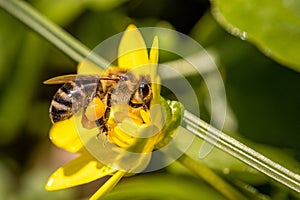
{"x": 132, "y": 50}
{"x": 82, "y": 169}
{"x": 64, "y": 134}
{"x": 154, "y": 51}
{"x": 153, "y": 60}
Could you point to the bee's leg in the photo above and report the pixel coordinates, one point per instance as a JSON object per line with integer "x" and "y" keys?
{"x": 145, "y": 107}
{"x": 102, "y": 123}
{"x": 101, "y": 126}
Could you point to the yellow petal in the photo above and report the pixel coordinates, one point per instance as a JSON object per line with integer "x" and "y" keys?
{"x": 158, "y": 116}
{"x": 156, "y": 91}
{"x": 82, "y": 169}
{"x": 146, "y": 116}
{"x": 64, "y": 134}
{"x": 154, "y": 51}
{"x": 153, "y": 60}
{"x": 121, "y": 138}
{"x": 132, "y": 50}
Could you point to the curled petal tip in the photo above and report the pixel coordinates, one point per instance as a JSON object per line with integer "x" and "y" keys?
{"x": 131, "y": 27}
{"x": 154, "y": 51}
{"x": 49, "y": 184}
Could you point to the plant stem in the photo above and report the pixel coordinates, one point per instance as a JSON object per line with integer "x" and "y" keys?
{"x": 211, "y": 178}
{"x": 242, "y": 152}
{"x": 207, "y": 175}
{"x": 108, "y": 185}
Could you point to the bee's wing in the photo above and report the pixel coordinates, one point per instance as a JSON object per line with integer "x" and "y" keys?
{"x": 61, "y": 79}
{"x": 71, "y": 77}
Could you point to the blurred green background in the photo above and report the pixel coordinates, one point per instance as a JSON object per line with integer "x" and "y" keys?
{"x": 257, "y": 46}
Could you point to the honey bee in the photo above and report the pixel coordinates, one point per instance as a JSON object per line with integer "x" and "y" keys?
{"x": 114, "y": 87}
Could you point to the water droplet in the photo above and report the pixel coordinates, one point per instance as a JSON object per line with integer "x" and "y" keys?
{"x": 244, "y": 35}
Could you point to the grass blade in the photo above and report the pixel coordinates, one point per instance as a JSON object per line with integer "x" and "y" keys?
{"x": 237, "y": 149}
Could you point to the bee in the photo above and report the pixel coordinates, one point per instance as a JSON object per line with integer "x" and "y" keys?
{"x": 114, "y": 87}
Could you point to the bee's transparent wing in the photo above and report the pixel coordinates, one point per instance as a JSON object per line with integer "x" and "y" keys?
{"x": 61, "y": 79}
{"x": 73, "y": 77}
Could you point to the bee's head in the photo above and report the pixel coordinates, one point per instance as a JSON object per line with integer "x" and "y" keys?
{"x": 136, "y": 91}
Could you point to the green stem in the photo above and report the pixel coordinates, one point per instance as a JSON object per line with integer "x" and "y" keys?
{"x": 51, "y": 32}
{"x": 242, "y": 152}
{"x": 210, "y": 177}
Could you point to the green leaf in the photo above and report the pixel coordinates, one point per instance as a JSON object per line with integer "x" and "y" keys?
{"x": 273, "y": 26}
{"x": 256, "y": 87}
{"x": 162, "y": 186}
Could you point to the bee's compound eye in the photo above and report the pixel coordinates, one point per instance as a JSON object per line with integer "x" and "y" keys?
{"x": 144, "y": 90}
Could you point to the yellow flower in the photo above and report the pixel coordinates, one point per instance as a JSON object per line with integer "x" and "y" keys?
{"x": 137, "y": 134}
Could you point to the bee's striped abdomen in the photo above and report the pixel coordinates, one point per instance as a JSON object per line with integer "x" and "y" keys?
{"x": 72, "y": 96}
